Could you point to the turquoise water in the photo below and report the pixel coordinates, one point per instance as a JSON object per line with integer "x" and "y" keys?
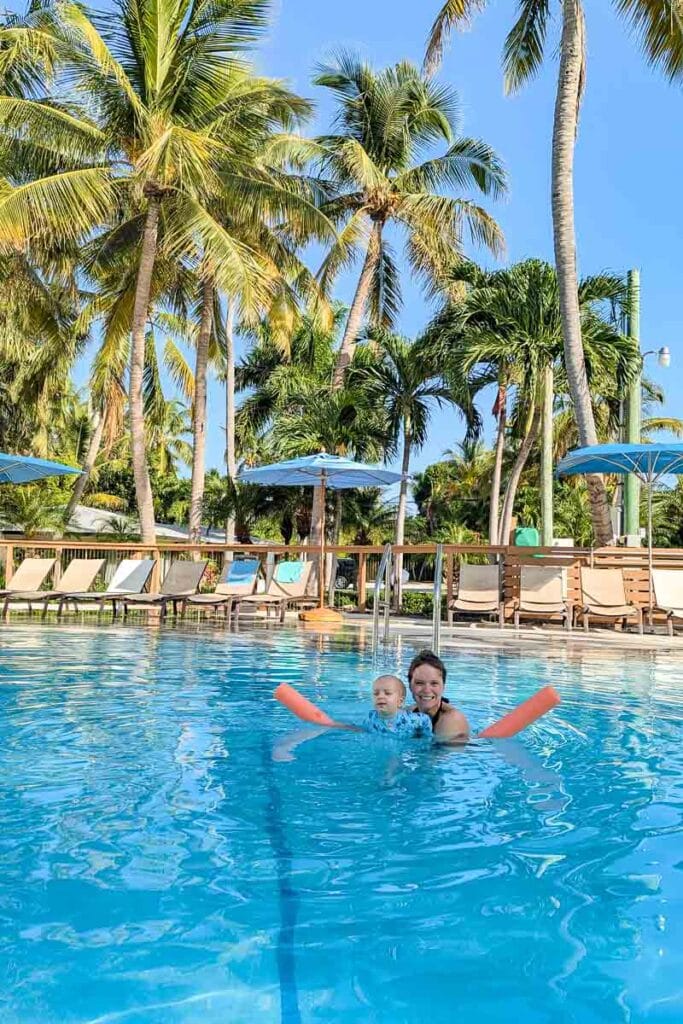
{"x": 167, "y": 856}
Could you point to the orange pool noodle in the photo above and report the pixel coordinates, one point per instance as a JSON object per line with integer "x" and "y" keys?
{"x": 517, "y": 719}
{"x": 524, "y": 714}
{"x": 301, "y": 707}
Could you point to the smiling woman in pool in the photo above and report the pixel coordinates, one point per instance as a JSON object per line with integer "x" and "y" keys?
{"x": 427, "y": 680}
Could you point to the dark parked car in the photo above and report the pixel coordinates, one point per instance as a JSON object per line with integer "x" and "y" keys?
{"x": 347, "y": 573}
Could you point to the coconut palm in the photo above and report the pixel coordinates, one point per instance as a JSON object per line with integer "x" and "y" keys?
{"x": 659, "y": 24}
{"x": 169, "y": 101}
{"x": 377, "y": 159}
{"x": 406, "y": 382}
{"x": 509, "y": 326}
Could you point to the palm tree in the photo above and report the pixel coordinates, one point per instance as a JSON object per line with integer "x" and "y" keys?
{"x": 455, "y": 489}
{"x": 368, "y": 519}
{"x": 375, "y": 159}
{"x": 405, "y": 381}
{"x": 660, "y": 27}
{"x": 509, "y": 326}
{"x": 151, "y": 157}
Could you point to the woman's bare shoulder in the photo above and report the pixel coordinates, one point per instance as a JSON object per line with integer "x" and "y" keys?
{"x": 452, "y": 723}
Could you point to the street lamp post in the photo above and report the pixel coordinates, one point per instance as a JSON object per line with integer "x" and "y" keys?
{"x": 633, "y": 409}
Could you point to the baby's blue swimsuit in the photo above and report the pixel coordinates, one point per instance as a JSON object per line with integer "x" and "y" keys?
{"x": 405, "y": 723}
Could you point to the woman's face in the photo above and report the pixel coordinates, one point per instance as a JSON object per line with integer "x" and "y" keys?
{"x": 426, "y": 687}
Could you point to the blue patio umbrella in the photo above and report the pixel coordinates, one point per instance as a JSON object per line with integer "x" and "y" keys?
{"x": 22, "y": 469}
{"x": 320, "y": 470}
{"x": 649, "y": 462}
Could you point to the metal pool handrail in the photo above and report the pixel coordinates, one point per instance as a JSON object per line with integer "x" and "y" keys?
{"x": 436, "y": 612}
{"x": 383, "y": 573}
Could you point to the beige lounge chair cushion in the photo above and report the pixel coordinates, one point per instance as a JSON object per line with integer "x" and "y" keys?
{"x": 79, "y": 575}
{"x": 29, "y": 575}
{"x": 478, "y": 588}
{"x": 611, "y": 611}
{"x": 465, "y": 605}
{"x": 603, "y": 588}
{"x": 667, "y": 585}
{"x": 541, "y": 608}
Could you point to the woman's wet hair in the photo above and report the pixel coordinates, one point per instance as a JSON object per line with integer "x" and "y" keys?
{"x": 427, "y": 658}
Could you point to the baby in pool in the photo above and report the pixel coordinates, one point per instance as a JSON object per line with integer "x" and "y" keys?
{"x": 389, "y": 716}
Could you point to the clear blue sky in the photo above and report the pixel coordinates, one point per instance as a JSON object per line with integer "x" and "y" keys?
{"x": 628, "y": 161}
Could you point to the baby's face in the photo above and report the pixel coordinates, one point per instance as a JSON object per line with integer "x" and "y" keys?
{"x": 387, "y": 695}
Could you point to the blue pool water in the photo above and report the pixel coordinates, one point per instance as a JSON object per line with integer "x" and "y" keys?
{"x": 166, "y": 858}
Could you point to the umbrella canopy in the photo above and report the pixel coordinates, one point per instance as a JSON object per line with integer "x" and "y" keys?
{"x": 321, "y": 470}
{"x": 314, "y": 470}
{"x": 649, "y": 462}
{"x": 22, "y": 469}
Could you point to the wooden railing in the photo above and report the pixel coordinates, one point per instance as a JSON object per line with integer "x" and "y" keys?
{"x": 420, "y": 558}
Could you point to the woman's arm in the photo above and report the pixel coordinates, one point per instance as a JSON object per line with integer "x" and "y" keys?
{"x": 452, "y": 727}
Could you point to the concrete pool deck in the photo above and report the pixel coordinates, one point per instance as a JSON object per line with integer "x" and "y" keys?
{"x": 490, "y": 635}
{"x": 482, "y": 635}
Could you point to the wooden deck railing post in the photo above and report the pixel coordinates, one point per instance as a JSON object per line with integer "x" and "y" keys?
{"x": 57, "y": 570}
{"x": 9, "y": 562}
{"x": 362, "y": 581}
{"x": 155, "y": 578}
{"x": 449, "y": 578}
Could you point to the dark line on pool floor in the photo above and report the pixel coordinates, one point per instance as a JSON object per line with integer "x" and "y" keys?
{"x": 289, "y": 903}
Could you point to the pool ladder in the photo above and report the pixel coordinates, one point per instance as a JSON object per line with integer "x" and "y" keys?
{"x": 383, "y": 582}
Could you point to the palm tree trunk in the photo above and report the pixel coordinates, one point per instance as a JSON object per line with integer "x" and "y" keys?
{"x": 230, "y": 462}
{"x": 138, "y": 442}
{"x": 360, "y": 301}
{"x": 399, "y": 535}
{"x": 511, "y": 489}
{"x": 501, "y": 408}
{"x": 565, "y": 125}
{"x": 88, "y": 463}
{"x": 546, "y": 475}
{"x": 199, "y": 412}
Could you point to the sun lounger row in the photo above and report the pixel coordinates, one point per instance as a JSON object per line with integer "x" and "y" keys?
{"x": 543, "y": 595}
{"x": 234, "y": 592}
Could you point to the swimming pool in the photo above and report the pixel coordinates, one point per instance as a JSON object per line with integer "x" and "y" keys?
{"x": 163, "y": 861}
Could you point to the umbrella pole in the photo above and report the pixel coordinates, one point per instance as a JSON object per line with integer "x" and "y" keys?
{"x": 649, "y": 545}
{"x": 321, "y": 572}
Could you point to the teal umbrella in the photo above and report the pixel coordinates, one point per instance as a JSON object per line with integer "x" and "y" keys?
{"x": 320, "y": 470}
{"x": 649, "y": 462}
{"x": 23, "y": 469}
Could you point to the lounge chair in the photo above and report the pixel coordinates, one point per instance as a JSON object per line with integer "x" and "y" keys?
{"x": 288, "y": 586}
{"x": 478, "y": 592}
{"x": 237, "y": 580}
{"x": 79, "y": 575}
{"x": 181, "y": 580}
{"x": 604, "y": 597}
{"x": 129, "y": 579}
{"x": 28, "y": 578}
{"x": 667, "y": 585}
{"x": 541, "y": 594}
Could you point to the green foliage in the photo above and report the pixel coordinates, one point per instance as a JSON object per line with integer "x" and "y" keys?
{"x": 385, "y": 123}
{"x": 33, "y": 508}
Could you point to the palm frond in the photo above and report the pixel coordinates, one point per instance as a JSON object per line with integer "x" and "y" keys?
{"x": 658, "y": 24}
{"x": 523, "y": 52}
{"x": 453, "y": 14}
